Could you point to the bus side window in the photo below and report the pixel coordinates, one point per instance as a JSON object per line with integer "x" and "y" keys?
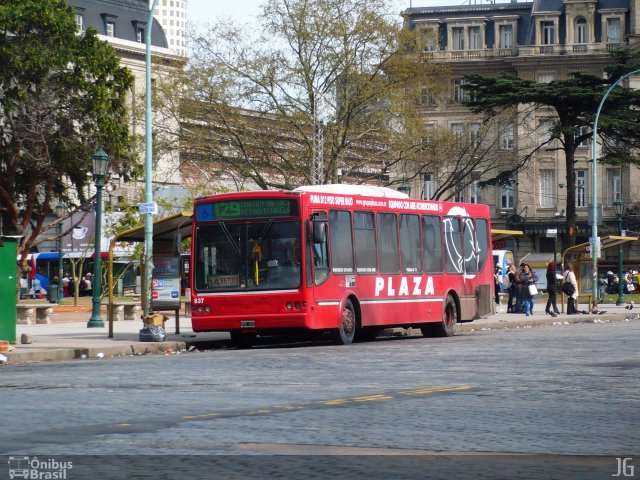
{"x": 388, "y": 243}
{"x": 320, "y": 261}
{"x": 454, "y": 258}
{"x": 410, "y": 244}
{"x": 432, "y": 244}
{"x": 482, "y": 236}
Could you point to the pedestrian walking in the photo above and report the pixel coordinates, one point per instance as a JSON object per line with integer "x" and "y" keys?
{"x": 570, "y": 277}
{"x": 528, "y": 289}
{"x": 510, "y": 283}
{"x": 552, "y": 281}
{"x": 497, "y": 278}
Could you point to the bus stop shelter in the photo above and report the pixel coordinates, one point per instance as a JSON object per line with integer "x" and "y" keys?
{"x": 582, "y": 263}
{"x": 498, "y": 234}
{"x": 168, "y": 234}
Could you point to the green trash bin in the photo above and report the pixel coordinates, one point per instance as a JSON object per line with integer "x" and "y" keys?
{"x": 52, "y": 293}
{"x": 8, "y": 285}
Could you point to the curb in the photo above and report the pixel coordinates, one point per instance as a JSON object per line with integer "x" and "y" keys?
{"x": 544, "y": 322}
{"x": 61, "y": 354}
{"x": 150, "y": 348}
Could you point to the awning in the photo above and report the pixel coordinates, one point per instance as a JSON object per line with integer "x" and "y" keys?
{"x": 497, "y": 234}
{"x": 163, "y": 229}
{"x": 605, "y": 242}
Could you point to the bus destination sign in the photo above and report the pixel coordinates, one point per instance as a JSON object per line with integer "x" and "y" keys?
{"x": 253, "y": 208}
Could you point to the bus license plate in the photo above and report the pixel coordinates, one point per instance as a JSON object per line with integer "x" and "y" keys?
{"x": 247, "y": 324}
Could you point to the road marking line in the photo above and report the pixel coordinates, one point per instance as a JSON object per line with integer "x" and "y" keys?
{"x": 375, "y": 398}
{"x": 370, "y": 397}
{"x": 425, "y": 391}
{"x": 337, "y": 401}
{"x": 204, "y": 415}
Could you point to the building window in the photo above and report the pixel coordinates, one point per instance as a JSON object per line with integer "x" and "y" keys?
{"x": 430, "y": 39}
{"x": 459, "y": 195}
{"x": 474, "y": 191}
{"x": 506, "y": 195}
{"x": 79, "y": 23}
{"x": 457, "y": 34}
{"x": 614, "y": 30}
{"x": 614, "y": 186}
{"x": 474, "y": 135}
{"x": 581, "y": 30}
{"x": 580, "y": 131}
{"x": 546, "y": 133}
{"x": 547, "y": 189}
{"x": 426, "y": 97}
{"x": 506, "y": 137}
{"x": 459, "y": 94}
{"x": 581, "y": 188}
{"x": 457, "y": 129}
{"x": 506, "y": 36}
{"x": 140, "y": 35}
{"x": 474, "y": 38}
{"x": 111, "y": 29}
{"x": 548, "y": 33}
{"x": 546, "y": 77}
{"x": 428, "y": 186}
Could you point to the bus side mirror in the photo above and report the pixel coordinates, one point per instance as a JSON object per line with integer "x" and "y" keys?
{"x": 319, "y": 232}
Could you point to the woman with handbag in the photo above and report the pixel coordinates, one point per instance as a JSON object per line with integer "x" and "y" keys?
{"x": 528, "y": 289}
{"x": 570, "y": 278}
{"x": 552, "y": 308}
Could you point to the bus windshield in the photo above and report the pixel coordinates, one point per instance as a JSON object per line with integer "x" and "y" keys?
{"x": 247, "y": 256}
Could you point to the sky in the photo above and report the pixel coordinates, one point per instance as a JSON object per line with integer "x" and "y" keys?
{"x": 244, "y": 11}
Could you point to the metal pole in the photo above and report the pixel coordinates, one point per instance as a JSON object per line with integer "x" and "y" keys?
{"x": 148, "y": 194}
{"x": 620, "y": 300}
{"x": 60, "y": 290}
{"x": 594, "y": 186}
{"x": 96, "y": 319}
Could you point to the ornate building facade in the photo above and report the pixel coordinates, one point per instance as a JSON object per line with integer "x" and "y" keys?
{"x": 543, "y": 40}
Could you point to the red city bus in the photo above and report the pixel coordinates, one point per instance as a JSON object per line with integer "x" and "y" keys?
{"x": 342, "y": 258}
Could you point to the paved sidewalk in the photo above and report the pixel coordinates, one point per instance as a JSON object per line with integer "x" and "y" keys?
{"x": 68, "y": 337}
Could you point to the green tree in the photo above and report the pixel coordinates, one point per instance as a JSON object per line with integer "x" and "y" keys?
{"x": 255, "y": 108}
{"x": 62, "y": 95}
{"x": 573, "y": 103}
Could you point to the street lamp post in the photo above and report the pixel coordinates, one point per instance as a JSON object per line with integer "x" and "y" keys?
{"x": 100, "y": 167}
{"x": 405, "y": 187}
{"x": 619, "y": 207}
{"x": 60, "y": 212}
{"x": 595, "y": 246}
{"x": 148, "y": 156}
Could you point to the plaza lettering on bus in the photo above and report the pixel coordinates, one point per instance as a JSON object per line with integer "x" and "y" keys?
{"x": 332, "y": 200}
{"x": 404, "y": 287}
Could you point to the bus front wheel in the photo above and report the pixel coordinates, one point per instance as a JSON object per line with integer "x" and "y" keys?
{"x": 347, "y": 328}
{"x": 447, "y": 326}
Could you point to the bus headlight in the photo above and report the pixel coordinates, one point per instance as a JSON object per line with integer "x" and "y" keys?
{"x": 289, "y": 306}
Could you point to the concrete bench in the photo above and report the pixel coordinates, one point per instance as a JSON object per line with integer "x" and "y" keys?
{"x": 43, "y": 312}
{"x": 125, "y": 310}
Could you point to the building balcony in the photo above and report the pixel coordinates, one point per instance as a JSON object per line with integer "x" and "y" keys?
{"x": 522, "y": 51}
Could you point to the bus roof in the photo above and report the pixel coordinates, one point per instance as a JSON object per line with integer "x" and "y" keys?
{"x": 345, "y": 189}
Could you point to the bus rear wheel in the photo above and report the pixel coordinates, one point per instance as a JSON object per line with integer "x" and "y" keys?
{"x": 347, "y": 329}
{"x": 447, "y": 326}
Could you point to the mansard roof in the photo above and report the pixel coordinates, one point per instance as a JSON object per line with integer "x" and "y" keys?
{"x": 128, "y": 16}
